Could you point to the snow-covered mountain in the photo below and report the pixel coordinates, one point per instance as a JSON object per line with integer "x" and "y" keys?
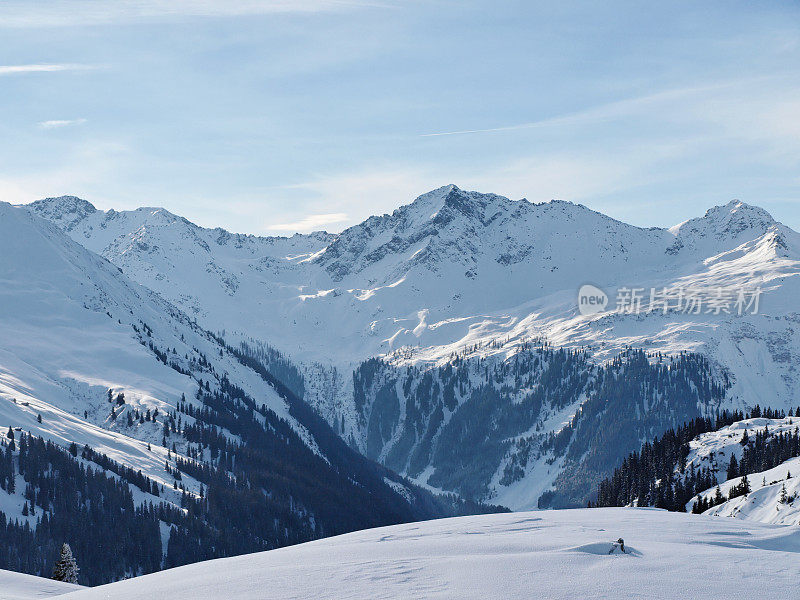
{"x": 554, "y": 554}
{"x": 125, "y": 383}
{"x": 427, "y": 275}
{"x": 74, "y": 327}
{"x": 474, "y": 275}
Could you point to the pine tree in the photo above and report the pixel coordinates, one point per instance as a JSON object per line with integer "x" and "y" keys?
{"x": 733, "y": 468}
{"x": 66, "y": 569}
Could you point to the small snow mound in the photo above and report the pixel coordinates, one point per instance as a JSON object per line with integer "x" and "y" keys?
{"x": 606, "y": 549}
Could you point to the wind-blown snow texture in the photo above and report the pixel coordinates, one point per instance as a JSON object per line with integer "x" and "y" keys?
{"x": 459, "y": 271}
{"x": 549, "y": 554}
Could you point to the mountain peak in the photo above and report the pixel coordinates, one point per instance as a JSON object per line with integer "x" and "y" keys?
{"x": 729, "y": 221}
{"x": 738, "y": 210}
{"x": 429, "y": 203}
{"x": 65, "y": 211}
{"x": 446, "y": 204}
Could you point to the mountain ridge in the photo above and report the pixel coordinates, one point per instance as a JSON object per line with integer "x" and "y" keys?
{"x": 463, "y": 272}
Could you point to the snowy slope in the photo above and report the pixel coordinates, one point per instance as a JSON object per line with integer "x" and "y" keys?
{"x": 72, "y": 327}
{"x": 715, "y": 448}
{"x": 549, "y": 554}
{"x": 763, "y": 504}
{"x": 17, "y": 586}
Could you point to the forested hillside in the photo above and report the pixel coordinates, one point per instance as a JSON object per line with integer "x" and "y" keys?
{"x": 480, "y": 425}
{"x": 684, "y": 468}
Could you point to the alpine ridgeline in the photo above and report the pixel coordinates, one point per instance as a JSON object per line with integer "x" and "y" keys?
{"x": 445, "y": 341}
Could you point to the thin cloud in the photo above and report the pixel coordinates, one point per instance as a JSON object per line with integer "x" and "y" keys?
{"x": 311, "y": 222}
{"x": 57, "y": 123}
{"x": 609, "y": 110}
{"x": 42, "y": 68}
{"x": 60, "y": 13}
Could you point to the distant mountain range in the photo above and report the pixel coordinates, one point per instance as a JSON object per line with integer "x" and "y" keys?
{"x": 481, "y": 285}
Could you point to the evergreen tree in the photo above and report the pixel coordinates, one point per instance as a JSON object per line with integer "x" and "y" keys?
{"x": 733, "y": 468}
{"x": 66, "y": 568}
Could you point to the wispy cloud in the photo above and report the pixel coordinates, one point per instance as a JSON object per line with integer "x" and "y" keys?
{"x": 43, "y": 68}
{"x": 58, "y": 13}
{"x": 613, "y": 110}
{"x": 311, "y": 222}
{"x": 56, "y": 123}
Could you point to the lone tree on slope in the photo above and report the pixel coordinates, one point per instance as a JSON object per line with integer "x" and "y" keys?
{"x": 66, "y": 569}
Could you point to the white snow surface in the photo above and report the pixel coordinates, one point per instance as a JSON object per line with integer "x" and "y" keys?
{"x": 545, "y": 554}
{"x": 18, "y": 586}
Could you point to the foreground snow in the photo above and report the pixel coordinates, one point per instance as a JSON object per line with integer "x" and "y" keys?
{"x": 18, "y": 586}
{"x": 546, "y": 554}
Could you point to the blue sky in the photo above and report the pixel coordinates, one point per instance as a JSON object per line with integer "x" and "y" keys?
{"x": 273, "y": 116}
